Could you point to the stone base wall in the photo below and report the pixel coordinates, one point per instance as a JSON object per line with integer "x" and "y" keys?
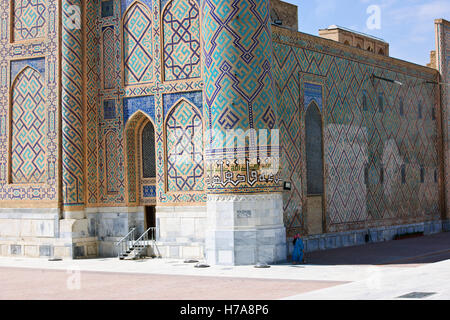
{"x": 245, "y": 229}
{"x": 50, "y": 248}
{"x": 42, "y": 233}
{"x": 110, "y": 224}
{"x": 358, "y": 237}
{"x": 181, "y": 231}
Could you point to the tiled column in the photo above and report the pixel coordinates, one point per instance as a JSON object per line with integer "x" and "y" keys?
{"x": 245, "y": 218}
{"x": 72, "y": 107}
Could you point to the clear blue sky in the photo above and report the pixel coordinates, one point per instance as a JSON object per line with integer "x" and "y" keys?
{"x": 408, "y": 25}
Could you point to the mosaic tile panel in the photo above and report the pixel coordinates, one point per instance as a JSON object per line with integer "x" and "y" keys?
{"x": 360, "y": 140}
{"x": 184, "y": 148}
{"x": 125, "y": 4}
{"x": 17, "y": 66}
{"x": 132, "y": 154}
{"x": 92, "y": 67}
{"x": 72, "y": 110}
{"x": 144, "y": 104}
{"x": 29, "y": 19}
{"x": 138, "y": 45}
{"x": 288, "y": 95}
{"x": 109, "y": 58}
{"x": 239, "y": 90}
{"x": 112, "y": 162}
{"x": 181, "y": 40}
{"x": 149, "y": 191}
{"x": 195, "y": 97}
{"x": 11, "y": 64}
{"x": 28, "y": 143}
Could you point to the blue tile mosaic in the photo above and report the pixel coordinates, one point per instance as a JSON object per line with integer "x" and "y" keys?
{"x": 149, "y": 191}
{"x": 193, "y": 97}
{"x": 164, "y": 2}
{"x": 313, "y": 92}
{"x": 19, "y": 65}
{"x": 125, "y": 4}
{"x": 145, "y": 104}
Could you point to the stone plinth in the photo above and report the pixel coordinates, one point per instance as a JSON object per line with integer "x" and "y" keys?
{"x": 245, "y": 229}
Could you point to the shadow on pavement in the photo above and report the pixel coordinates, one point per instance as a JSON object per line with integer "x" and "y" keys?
{"x": 425, "y": 249}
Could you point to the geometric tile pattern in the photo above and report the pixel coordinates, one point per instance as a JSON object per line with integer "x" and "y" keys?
{"x": 12, "y": 62}
{"x": 358, "y": 140}
{"x": 132, "y": 153}
{"x": 145, "y": 104}
{"x": 287, "y": 83}
{"x": 227, "y": 76}
{"x": 29, "y": 19}
{"x": 123, "y": 5}
{"x": 92, "y": 67}
{"x": 72, "y": 110}
{"x": 239, "y": 89}
{"x": 109, "y": 62}
{"x": 112, "y": 161}
{"x": 28, "y": 143}
{"x": 194, "y": 97}
{"x": 313, "y": 92}
{"x": 110, "y": 185}
{"x": 181, "y": 40}
{"x": 184, "y": 148}
{"x": 138, "y": 45}
{"x": 17, "y": 66}
{"x": 157, "y": 90}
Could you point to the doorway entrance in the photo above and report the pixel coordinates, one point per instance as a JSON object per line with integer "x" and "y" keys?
{"x": 150, "y": 217}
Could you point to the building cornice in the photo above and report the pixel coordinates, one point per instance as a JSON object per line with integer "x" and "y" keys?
{"x": 359, "y": 54}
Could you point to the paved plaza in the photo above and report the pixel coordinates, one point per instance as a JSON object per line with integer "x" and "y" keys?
{"x": 387, "y": 270}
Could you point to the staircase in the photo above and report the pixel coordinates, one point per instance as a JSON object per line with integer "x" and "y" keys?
{"x": 132, "y": 247}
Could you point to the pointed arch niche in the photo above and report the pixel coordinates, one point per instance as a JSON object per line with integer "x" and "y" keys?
{"x": 184, "y": 148}
{"x": 314, "y": 150}
{"x": 28, "y": 128}
{"x": 141, "y": 159}
{"x": 137, "y": 45}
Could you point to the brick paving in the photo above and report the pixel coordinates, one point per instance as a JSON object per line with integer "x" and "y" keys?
{"x": 32, "y": 284}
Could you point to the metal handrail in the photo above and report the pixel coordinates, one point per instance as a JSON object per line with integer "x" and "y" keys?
{"x": 132, "y": 230}
{"x": 145, "y": 238}
{"x": 123, "y": 243}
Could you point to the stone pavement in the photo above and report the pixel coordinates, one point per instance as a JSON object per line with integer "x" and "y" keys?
{"x": 375, "y": 271}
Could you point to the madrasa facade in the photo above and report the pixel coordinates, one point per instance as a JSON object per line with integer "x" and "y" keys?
{"x": 216, "y": 125}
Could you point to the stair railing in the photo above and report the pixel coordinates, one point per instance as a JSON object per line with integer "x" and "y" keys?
{"x": 126, "y": 242}
{"x": 143, "y": 241}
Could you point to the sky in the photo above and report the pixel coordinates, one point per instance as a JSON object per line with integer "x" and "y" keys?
{"x": 407, "y": 25}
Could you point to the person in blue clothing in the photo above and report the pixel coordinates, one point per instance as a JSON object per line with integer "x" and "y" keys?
{"x": 298, "y": 254}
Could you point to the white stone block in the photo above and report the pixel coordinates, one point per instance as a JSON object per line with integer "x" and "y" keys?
{"x": 225, "y": 257}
